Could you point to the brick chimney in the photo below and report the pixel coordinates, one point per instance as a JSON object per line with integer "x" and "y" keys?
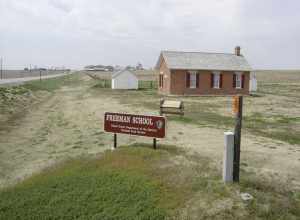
{"x": 238, "y": 50}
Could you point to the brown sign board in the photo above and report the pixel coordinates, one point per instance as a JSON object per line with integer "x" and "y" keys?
{"x": 235, "y": 104}
{"x": 141, "y": 125}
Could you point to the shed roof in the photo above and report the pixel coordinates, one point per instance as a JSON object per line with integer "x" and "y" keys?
{"x": 114, "y": 75}
{"x": 204, "y": 61}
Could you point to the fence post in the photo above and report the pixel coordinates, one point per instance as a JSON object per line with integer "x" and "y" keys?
{"x": 228, "y": 157}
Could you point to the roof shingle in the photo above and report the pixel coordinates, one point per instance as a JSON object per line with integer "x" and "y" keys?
{"x": 205, "y": 61}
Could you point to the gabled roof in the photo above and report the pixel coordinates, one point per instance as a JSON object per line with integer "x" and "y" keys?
{"x": 114, "y": 75}
{"x": 203, "y": 61}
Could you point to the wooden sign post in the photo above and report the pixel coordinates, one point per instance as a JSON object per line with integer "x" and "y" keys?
{"x": 238, "y": 111}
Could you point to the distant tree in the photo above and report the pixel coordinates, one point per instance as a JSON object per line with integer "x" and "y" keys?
{"x": 139, "y": 66}
{"x": 26, "y": 69}
{"x": 110, "y": 68}
{"x": 128, "y": 67}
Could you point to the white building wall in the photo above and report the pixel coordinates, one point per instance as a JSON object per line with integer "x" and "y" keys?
{"x": 125, "y": 80}
{"x": 253, "y": 83}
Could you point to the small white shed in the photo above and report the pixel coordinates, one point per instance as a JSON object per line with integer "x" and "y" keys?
{"x": 124, "y": 79}
{"x": 253, "y": 83}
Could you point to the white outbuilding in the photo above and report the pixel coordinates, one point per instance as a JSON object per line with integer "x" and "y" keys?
{"x": 124, "y": 79}
{"x": 253, "y": 83}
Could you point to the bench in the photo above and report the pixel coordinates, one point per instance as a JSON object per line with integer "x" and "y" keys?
{"x": 171, "y": 107}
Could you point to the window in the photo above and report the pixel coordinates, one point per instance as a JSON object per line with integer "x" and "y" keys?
{"x": 216, "y": 80}
{"x": 161, "y": 80}
{"x": 193, "y": 80}
{"x": 238, "y": 81}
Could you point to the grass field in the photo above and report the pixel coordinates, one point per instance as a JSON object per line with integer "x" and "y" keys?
{"x": 55, "y": 160}
{"x": 136, "y": 182}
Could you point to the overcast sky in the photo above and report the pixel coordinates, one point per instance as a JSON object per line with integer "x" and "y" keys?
{"x": 74, "y": 33}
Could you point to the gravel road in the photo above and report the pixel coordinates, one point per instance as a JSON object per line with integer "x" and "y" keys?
{"x": 18, "y": 81}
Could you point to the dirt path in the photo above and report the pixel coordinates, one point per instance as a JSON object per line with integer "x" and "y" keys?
{"x": 70, "y": 124}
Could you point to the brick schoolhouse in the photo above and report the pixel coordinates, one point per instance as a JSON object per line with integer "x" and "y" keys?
{"x": 199, "y": 73}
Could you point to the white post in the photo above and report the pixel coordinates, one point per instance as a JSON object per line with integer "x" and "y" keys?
{"x": 228, "y": 157}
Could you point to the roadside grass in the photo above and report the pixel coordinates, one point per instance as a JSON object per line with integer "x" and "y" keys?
{"x": 11, "y": 97}
{"x": 16, "y": 100}
{"x": 52, "y": 83}
{"x": 13, "y": 102}
{"x": 137, "y": 182}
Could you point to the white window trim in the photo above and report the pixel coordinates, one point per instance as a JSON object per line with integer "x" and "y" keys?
{"x": 195, "y": 74}
{"x": 241, "y": 79}
{"x": 216, "y": 73}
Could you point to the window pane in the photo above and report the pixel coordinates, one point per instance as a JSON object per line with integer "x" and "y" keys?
{"x": 192, "y": 80}
{"x": 238, "y": 81}
{"x": 216, "y": 80}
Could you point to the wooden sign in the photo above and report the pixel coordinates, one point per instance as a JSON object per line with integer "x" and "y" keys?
{"x": 235, "y": 104}
{"x": 141, "y": 125}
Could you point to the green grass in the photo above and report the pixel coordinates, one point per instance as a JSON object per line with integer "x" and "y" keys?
{"x": 137, "y": 182}
{"x": 83, "y": 194}
{"x": 102, "y": 83}
{"x": 53, "y": 83}
{"x": 143, "y": 85}
{"x": 120, "y": 185}
{"x": 83, "y": 190}
{"x": 147, "y": 84}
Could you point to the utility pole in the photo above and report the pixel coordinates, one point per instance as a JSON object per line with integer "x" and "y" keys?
{"x": 1, "y": 66}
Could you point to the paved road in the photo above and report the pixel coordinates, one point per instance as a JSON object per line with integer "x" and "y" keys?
{"x": 18, "y": 81}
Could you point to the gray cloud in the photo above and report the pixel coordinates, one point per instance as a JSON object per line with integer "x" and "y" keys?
{"x": 77, "y": 32}
{"x": 65, "y": 6}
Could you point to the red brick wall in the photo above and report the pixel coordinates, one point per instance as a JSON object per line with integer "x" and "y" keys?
{"x": 163, "y": 69}
{"x": 178, "y": 84}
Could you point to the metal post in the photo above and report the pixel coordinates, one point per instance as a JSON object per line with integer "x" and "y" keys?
{"x": 154, "y": 143}
{"x": 228, "y": 157}
{"x": 160, "y": 106}
{"x": 115, "y": 140}
{"x": 40, "y": 75}
{"x": 237, "y": 140}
